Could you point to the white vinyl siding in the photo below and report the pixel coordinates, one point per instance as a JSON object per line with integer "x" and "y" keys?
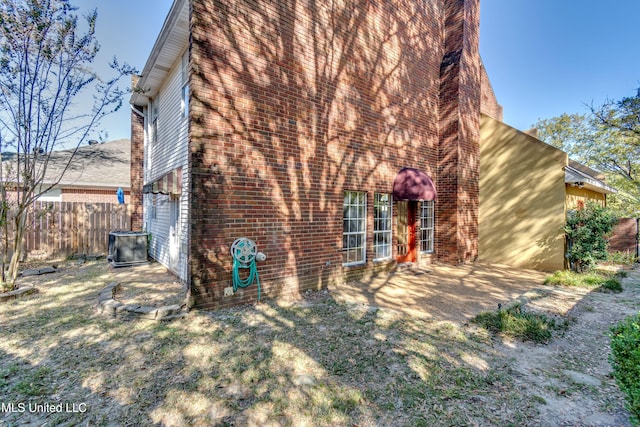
{"x": 167, "y": 153}
{"x": 184, "y": 104}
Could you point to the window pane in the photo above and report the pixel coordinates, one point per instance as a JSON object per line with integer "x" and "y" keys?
{"x": 385, "y": 251}
{"x": 382, "y": 225}
{"x": 426, "y": 227}
{"x": 354, "y": 227}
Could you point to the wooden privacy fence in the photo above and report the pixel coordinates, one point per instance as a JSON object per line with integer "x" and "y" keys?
{"x": 624, "y": 236}
{"x": 65, "y": 228}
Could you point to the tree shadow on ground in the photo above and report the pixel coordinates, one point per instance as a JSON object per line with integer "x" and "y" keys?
{"x": 316, "y": 361}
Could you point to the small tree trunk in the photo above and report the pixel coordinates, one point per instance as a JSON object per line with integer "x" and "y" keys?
{"x": 5, "y": 231}
{"x": 20, "y": 225}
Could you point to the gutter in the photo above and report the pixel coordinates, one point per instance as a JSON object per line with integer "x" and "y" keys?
{"x": 135, "y": 109}
{"x": 589, "y": 180}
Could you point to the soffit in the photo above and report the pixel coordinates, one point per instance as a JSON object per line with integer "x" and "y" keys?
{"x": 171, "y": 42}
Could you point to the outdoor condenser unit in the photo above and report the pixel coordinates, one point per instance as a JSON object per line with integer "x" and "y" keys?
{"x": 127, "y": 248}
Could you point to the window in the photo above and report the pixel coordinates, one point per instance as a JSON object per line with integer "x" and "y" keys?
{"x": 153, "y": 128}
{"x": 426, "y": 227}
{"x": 354, "y": 228}
{"x": 382, "y": 226}
{"x": 154, "y": 206}
{"x": 184, "y": 103}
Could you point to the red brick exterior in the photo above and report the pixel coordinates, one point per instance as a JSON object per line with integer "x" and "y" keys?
{"x": 458, "y": 156}
{"x": 489, "y": 103}
{"x": 92, "y": 196}
{"x": 137, "y": 165}
{"x": 294, "y": 103}
{"x": 84, "y": 195}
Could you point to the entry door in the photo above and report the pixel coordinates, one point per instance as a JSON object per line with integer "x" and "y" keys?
{"x": 406, "y": 232}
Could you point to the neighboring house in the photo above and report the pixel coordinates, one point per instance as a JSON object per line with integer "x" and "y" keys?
{"x": 321, "y": 131}
{"x": 94, "y": 175}
{"x": 583, "y": 184}
{"x": 526, "y": 189}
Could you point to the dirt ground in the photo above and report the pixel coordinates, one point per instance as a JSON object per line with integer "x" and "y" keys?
{"x": 443, "y": 292}
{"x": 568, "y": 380}
{"x": 570, "y": 377}
{"x": 149, "y": 285}
{"x": 572, "y": 374}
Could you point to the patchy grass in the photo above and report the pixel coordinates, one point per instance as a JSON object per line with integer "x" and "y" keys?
{"x": 603, "y": 281}
{"x": 515, "y": 323}
{"x": 626, "y": 258}
{"x": 317, "y": 362}
{"x": 625, "y": 360}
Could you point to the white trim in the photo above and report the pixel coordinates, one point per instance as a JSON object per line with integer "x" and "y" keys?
{"x": 388, "y": 231}
{"x": 575, "y": 177}
{"x": 363, "y": 233}
{"x": 430, "y": 220}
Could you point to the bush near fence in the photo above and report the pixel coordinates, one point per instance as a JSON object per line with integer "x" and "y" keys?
{"x": 65, "y": 228}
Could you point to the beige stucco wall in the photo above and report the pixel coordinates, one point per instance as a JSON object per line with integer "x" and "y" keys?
{"x": 575, "y": 194}
{"x": 522, "y": 199}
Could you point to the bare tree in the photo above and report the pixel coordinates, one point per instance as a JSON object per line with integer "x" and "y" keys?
{"x": 45, "y": 68}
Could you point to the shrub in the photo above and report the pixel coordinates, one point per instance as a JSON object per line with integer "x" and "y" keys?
{"x": 587, "y": 231}
{"x": 625, "y": 360}
{"x": 611, "y": 284}
{"x": 514, "y": 323}
{"x": 624, "y": 258}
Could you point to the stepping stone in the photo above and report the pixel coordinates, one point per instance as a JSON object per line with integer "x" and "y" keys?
{"x": 25, "y": 290}
{"x": 304, "y": 380}
{"x": 38, "y": 271}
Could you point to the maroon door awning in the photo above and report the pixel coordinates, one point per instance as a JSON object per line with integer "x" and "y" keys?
{"x": 170, "y": 183}
{"x": 413, "y": 184}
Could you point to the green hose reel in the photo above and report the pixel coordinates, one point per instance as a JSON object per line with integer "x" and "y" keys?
{"x": 245, "y": 254}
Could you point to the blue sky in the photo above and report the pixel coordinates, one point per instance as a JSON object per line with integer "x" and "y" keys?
{"x": 127, "y": 29}
{"x": 544, "y": 57}
{"x": 548, "y": 57}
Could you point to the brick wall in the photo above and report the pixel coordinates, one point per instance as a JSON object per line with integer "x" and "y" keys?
{"x": 488, "y": 102}
{"x": 92, "y": 196}
{"x": 137, "y": 165}
{"x": 623, "y": 237}
{"x": 294, "y": 103}
{"x": 458, "y": 157}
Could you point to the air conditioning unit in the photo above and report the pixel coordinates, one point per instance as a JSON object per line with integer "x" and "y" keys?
{"x": 127, "y": 248}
